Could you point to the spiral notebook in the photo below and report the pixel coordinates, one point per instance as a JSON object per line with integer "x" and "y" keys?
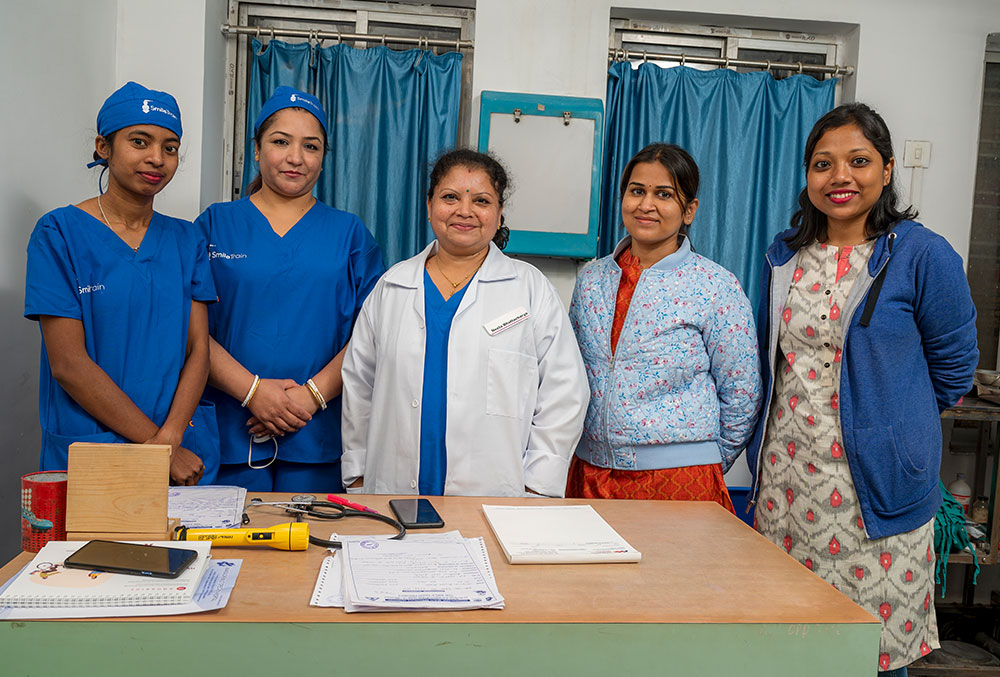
{"x": 46, "y": 582}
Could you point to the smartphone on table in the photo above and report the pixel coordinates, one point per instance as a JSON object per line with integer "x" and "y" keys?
{"x": 416, "y": 513}
{"x": 131, "y": 558}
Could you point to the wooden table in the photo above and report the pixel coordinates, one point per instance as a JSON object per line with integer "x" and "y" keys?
{"x": 710, "y": 597}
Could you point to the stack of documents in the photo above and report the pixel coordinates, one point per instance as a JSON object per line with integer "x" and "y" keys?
{"x": 423, "y": 572}
{"x": 47, "y": 582}
{"x": 557, "y": 534}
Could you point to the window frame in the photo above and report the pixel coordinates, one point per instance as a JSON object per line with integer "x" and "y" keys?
{"x": 728, "y": 41}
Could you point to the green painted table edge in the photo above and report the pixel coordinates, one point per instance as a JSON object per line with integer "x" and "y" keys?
{"x": 171, "y": 649}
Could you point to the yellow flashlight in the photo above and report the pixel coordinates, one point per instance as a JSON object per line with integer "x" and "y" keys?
{"x": 289, "y": 536}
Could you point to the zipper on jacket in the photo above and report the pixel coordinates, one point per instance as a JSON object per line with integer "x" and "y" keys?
{"x": 876, "y": 287}
{"x": 611, "y": 365}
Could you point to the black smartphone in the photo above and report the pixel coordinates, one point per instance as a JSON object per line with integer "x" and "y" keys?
{"x": 131, "y": 558}
{"x": 416, "y": 513}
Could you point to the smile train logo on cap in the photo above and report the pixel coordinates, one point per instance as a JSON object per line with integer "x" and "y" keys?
{"x": 298, "y": 100}
{"x": 146, "y": 108}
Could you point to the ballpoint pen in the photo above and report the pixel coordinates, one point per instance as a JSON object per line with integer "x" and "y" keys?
{"x": 348, "y": 504}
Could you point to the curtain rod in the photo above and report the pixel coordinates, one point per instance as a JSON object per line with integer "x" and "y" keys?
{"x": 726, "y": 62}
{"x": 317, "y": 35}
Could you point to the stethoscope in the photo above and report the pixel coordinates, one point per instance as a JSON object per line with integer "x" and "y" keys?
{"x": 305, "y": 505}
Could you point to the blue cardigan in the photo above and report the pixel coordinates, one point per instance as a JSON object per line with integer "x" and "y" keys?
{"x": 914, "y": 359}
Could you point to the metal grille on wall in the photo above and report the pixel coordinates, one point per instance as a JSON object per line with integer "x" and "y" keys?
{"x": 783, "y": 53}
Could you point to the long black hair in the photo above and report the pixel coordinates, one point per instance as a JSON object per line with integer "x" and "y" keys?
{"x": 809, "y": 222}
{"x": 675, "y": 160}
{"x": 471, "y": 159}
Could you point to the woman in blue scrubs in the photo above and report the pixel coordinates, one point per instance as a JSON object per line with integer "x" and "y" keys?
{"x": 292, "y": 274}
{"x": 120, "y": 293}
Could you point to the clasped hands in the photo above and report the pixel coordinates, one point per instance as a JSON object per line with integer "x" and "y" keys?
{"x": 186, "y": 467}
{"x": 280, "y": 406}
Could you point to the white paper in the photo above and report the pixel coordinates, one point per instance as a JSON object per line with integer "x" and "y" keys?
{"x": 425, "y": 571}
{"x": 327, "y": 591}
{"x": 329, "y": 588}
{"x": 557, "y": 534}
{"x": 212, "y": 593}
{"x": 207, "y": 507}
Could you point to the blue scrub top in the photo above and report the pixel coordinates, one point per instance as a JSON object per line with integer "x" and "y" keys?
{"x": 439, "y": 315}
{"x": 135, "y": 307}
{"x": 286, "y": 308}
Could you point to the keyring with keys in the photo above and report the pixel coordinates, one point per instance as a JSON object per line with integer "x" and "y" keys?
{"x": 305, "y": 505}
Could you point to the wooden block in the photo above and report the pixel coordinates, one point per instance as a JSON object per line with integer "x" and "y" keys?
{"x": 168, "y": 535}
{"x": 117, "y": 488}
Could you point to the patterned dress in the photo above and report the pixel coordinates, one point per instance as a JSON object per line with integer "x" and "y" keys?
{"x": 807, "y": 503}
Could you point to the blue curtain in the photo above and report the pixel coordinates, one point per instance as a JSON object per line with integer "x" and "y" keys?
{"x": 389, "y": 115}
{"x": 746, "y": 131}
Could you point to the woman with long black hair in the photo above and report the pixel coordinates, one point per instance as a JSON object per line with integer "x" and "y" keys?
{"x": 867, "y": 332}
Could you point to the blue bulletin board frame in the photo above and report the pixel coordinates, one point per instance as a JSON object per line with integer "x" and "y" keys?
{"x": 551, "y": 243}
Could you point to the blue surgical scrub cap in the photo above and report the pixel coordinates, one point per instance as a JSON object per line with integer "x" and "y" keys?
{"x": 134, "y": 104}
{"x": 287, "y": 97}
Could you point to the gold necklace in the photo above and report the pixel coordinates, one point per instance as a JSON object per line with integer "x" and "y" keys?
{"x": 135, "y": 249}
{"x": 454, "y": 285}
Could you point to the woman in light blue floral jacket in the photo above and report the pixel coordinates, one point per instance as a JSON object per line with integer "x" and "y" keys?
{"x": 669, "y": 344}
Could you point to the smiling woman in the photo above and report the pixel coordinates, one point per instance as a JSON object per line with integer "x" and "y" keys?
{"x": 462, "y": 376}
{"x": 668, "y": 342}
{"x": 847, "y": 472}
{"x": 120, "y": 292}
{"x": 846, "y": 177}
{"x": 292, "y": 273}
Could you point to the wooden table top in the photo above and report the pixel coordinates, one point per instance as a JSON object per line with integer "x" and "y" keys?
{"x": 700, "y": 564}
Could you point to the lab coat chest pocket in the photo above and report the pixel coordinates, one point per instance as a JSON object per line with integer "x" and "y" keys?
{"x": 511, "y": 384}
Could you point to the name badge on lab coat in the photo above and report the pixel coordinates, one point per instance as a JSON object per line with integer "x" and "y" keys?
{"x": 506, "y": 321}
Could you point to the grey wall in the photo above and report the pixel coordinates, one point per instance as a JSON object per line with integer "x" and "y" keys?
{"x": 58, "y": 58}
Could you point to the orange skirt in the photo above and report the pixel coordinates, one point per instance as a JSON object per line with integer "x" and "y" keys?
{"x": 689, "y": 483}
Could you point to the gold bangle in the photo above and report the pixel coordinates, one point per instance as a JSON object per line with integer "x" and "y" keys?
{"x": 317, "y": 395}
{"x": 253, "y": 389}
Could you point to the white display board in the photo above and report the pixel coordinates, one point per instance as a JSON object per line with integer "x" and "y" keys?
{"x": 550, "y": 165}
{"x": 551, "y": 146}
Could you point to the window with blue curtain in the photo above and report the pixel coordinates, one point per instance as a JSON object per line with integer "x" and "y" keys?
{"x": 389, "y": 114}
{"x": 747, "y": 133}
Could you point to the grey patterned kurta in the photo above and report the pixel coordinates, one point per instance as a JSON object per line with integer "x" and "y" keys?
{"x": 807, "y": 503}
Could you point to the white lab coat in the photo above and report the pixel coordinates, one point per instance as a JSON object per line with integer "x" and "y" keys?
{"x": 516, "y": 400}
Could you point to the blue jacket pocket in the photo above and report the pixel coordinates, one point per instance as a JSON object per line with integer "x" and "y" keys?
{"x": 893, "y": 477}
